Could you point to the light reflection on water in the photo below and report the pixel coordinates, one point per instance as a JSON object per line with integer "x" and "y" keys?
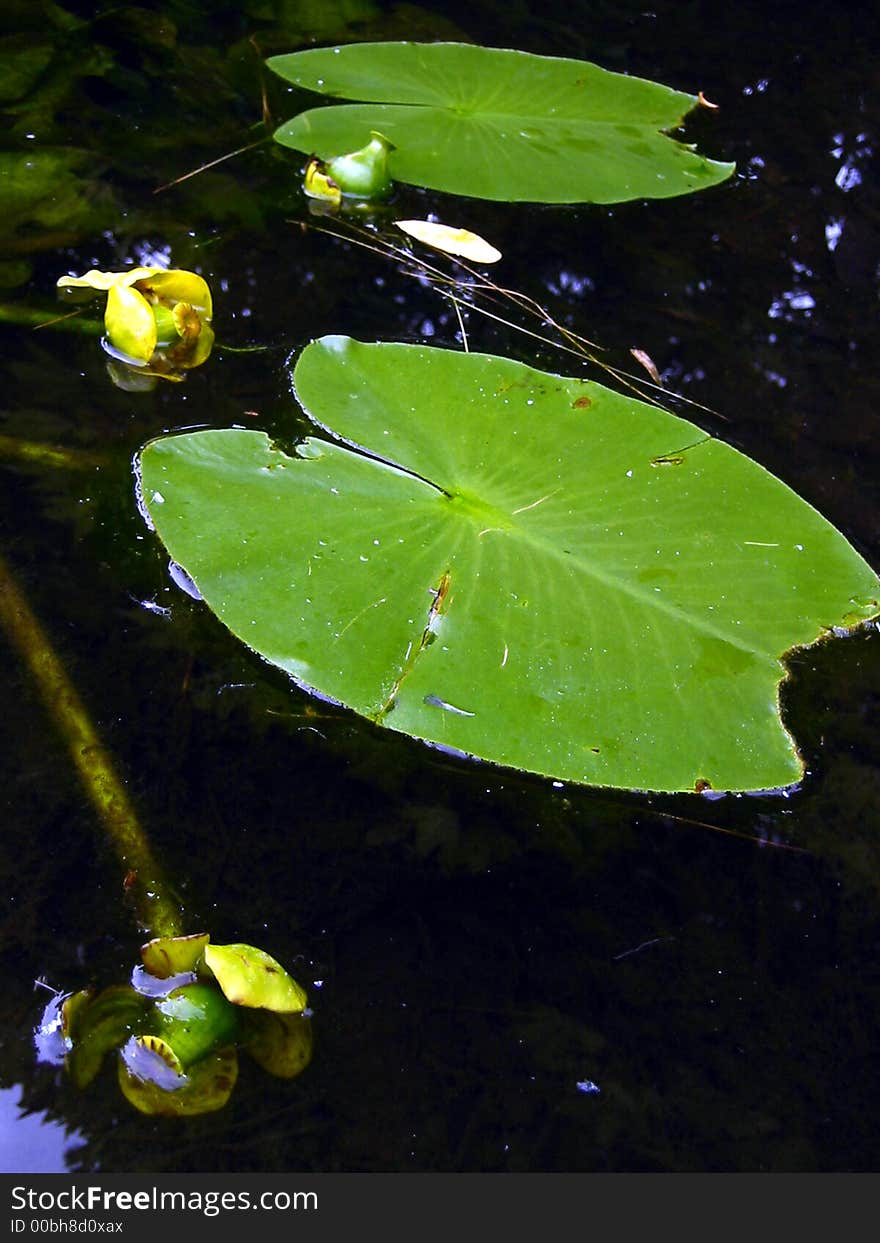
{"x": 32, "y": 1143}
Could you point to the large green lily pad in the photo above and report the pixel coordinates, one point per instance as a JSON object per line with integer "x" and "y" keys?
{"x": 498, "y": 124}
{"x": 523, "y": 567}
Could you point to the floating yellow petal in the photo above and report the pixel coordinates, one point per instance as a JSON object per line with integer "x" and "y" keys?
{"x": 460, "y": 242}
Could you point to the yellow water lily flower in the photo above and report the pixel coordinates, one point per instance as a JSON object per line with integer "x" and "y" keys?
{"x": 180, "y": 1023}
{"x": 156, "y": 318}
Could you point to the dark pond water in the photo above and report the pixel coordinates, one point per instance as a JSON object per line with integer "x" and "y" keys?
{"x": 506, "y": 975}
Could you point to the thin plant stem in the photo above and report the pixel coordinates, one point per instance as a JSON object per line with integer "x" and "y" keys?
{"x": 464, "y": 339}
{"x": 169, "y": 185}
{"x": 143, "y": 875}
{"x": 482, "y": 287}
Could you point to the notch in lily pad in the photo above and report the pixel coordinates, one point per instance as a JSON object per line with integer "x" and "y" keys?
{"x": 177, "y": 1029}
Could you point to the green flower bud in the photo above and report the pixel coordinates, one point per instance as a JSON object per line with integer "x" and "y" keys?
{"x": 363, "y": 174}
{"x": 194, "y": 1020}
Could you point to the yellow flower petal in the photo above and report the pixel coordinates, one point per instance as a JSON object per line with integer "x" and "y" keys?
{"x": 443, "y": 237}
{"x": 196, "y": 338}
{"x": 131, "y": 328}
{"x": 201, "y": 348}
{"x": 280, "y": 1043}
{"x": 101, "y": 282}
{"x": 167, "y": 956}
{"x": 176, "y": 285}
{"x": 317, "y": 185}
{"x": 168, "y": 285}
{"x": 249, "y": 976}
{"x": 206, "y": 1087}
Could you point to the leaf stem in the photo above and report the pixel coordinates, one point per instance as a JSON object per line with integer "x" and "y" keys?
{"x": 144, "y": 878}
{"x": 30, "y": 317}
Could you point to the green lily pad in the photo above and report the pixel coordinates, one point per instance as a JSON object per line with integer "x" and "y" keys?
{"x": 494, "y": 123}
{"x": 519, "y": 566}
{"x": 250, "y": 977}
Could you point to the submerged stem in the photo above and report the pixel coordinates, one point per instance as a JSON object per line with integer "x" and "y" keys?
{"x": 108, "y": 795}
{"x": 48, "y": 455}
{"x": 30, "y": 317}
